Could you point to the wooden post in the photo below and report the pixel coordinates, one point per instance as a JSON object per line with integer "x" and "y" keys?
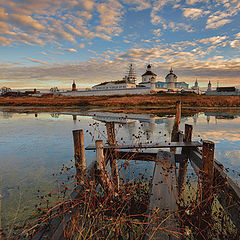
{"x": 79, "y": 152}
{"x": 183, "y": 165}
{"x": 175, "y": 131}
{"x": 206, "y": 188}
{"x": 113, "y": 153}
{"x": 101, "y": 167}
{"x": 208, "y": 160}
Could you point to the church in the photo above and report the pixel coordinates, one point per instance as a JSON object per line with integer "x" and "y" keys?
{"x": 172, "y": 83}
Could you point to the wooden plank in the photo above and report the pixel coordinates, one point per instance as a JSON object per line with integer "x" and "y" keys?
{"x": 229, "y": 191}
{"x": 192, "y": 144}
{"x": 163, "y": 207}
{"x": 55, "y": 229}
{"x": 146, "y": 156}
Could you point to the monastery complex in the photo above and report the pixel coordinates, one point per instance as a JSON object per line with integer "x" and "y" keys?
{"x": 127, "y": 85}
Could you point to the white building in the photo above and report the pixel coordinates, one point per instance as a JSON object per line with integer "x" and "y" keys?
{"x": 148, "y": 79}
{"x": 127, "y": 82}
{"x": 121, "y": 87}
{"x": 171, "y": 83}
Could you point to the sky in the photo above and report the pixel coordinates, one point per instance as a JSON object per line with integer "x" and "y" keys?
{"x": 50, "y": 43}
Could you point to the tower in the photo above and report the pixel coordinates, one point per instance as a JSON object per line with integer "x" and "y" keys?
{"x": 171, "y": 79}
{"x": 149, "y": 76}
{"x": 74, "y": 87}
{"x": 131, "y": 78}
{"x": 196, "y": 85}
{"x": 209, "y": 87}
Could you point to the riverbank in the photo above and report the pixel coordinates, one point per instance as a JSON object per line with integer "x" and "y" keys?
{"x": 159, "y": 100}
{"x": 153, "y": 104}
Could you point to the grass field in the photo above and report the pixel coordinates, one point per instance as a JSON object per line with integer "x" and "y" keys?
{"x": 135, "y": 103}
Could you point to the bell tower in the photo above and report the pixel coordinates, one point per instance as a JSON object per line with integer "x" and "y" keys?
{"x": 74, "y": 87}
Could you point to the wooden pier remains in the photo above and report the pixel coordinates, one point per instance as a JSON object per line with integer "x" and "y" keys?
{"x": 168, "y": 177}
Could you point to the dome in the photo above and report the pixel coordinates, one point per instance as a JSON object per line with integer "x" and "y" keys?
{"x": 171, "y": 78}
{"x": 171, "y": 74}
{"x": 149, "y": 72}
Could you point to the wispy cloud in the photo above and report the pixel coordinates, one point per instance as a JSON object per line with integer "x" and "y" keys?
{"x": 35, "y": 60}
{"x": 70, "y": 50}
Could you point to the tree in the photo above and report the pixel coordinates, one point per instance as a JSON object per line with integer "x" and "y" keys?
{"x": 54, "y": 89}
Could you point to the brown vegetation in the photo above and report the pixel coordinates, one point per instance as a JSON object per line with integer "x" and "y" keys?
{"x": 156, "y": 100}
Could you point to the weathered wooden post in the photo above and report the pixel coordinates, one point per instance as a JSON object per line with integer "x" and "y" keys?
{"x": 79, "y": 152}
{"x": 113, "y": 153}
{"x": 175, "y": 131}
{"x": 208, "y": 160}
{"x": 183, "y": 164}
{"x": 206, "y": 188}
{"x": 101, "y": 167}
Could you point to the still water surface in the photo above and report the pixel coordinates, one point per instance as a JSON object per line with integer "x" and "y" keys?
{"x": 34, "y": 146}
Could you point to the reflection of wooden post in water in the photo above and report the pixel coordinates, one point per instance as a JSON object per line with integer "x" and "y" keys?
{"x": 113, "y": 153}
{"x": 163, "y": 197}
{"x": 175, "y": 131}
{"x": 74, "y": 118}
{"x": 79, "y": 152}
{"x": 183, "y": 164}
{"x": 101, "y": 167}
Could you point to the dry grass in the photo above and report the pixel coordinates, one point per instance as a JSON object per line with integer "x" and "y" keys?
{"x": 160, "y": 100}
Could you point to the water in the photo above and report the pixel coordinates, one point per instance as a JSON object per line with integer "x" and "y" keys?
{"x": 34, "y": 146}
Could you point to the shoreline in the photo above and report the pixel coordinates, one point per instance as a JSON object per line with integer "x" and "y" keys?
{"x": 153, "y": 104}
{"x": 141, "y": 110}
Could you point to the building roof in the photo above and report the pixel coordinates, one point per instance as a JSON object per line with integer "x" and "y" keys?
{"x": 116, "y": 82}
{"x": 171, "y": 73}
{"x": 149, "y": 72}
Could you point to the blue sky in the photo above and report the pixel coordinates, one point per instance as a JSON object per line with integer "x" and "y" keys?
{"x": 49, "y": 43}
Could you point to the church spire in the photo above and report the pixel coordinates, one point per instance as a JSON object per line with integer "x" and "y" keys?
{"x": 131, "y": 75}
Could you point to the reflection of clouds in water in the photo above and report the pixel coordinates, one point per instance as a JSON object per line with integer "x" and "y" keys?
{"x": 233, "y": 156}
{"x": 229, "y": 135}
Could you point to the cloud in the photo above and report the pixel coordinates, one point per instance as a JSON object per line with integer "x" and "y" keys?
{"x": 213, "y": 40}
{"x": 82, "y": 45}
{"x": 179, "y": 26}
{"x": 235, "y": 44}
{"x": 28, "y": 39}
{"x": 237, "y": 35}
{"x": 5, "y": 41}
{"x": 214, "y": 23}
{"x": 71, "y": 50}
{"x": 192, "y": 2}
{"x": 194, "y": 13}
{"x": 35, "y": 60}
{"x": 139, "y": 5}
{"x": 26, "y": 21}
{"x": 157, "y": 32}
{"x": 3, "y": 14}
{"x": 223, "y": 17}
{"x": 110, "y": 16}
